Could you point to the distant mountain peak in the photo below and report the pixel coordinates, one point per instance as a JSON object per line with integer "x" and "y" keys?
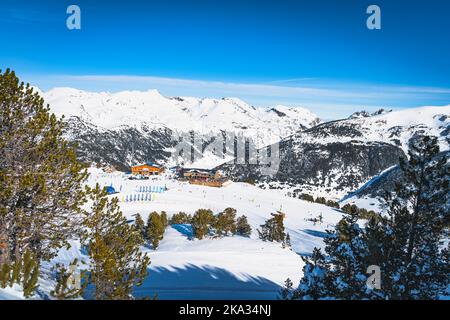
{"x": 279, "y": 113}
{"x": 150, "y": 109}
{"x": 366, "y": 114}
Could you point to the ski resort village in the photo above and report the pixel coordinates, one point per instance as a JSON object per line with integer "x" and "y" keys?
{"x": 217, "y": 226}
{"x": 258, "y": 153}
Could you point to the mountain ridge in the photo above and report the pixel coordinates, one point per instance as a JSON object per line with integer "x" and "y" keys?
{"x": 137, "y": 108}
{"x": 333, "y": 158}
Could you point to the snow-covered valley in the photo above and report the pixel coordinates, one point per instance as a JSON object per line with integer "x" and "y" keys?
{"x": 330, "y": 159}
{"x": 337, "y": 160}
{"x": 231, "y": 267}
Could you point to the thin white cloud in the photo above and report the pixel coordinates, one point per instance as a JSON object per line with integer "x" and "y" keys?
{"x": 329, "y": 99}
{"x": 262, "y": 89}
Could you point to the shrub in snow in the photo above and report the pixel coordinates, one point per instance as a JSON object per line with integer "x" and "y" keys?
{"x": 202, "y": 222}
{"x": 361, "y": 212}
{"x": 139, "y": 225}
{"x": 180, "y": 218}
{"x": 243, "y": 228}
{"x": 321, "y": 200}
{"x": 332, "y": 204}
{"x": 273, "y": 229}
{"x": 156, "y": 225}
{"x": 225, "y": 222}
{"x": 307, "y": 197}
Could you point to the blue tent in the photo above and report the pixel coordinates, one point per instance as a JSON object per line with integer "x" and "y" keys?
{"x": 110, "y": 190}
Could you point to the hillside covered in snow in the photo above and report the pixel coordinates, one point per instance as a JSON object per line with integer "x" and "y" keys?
{"x": 338, "y": 157}
{"x": 348, "y": 158}
{"x": 129, "y": 127}
{"x": 321, "y": 158}
{"x": 231, "y": 267}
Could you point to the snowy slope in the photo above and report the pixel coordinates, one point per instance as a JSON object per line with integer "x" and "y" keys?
{"x": 231, "y": 267}
{"x": 395, "y": 127}
{"x": 227, "y": 268}
{"x": 338, "y": 157}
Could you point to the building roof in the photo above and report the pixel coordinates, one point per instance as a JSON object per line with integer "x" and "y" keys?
{"x": 149, "y": 163}
{"x": 152, "y": 164}
{"x": 209, "y": 171}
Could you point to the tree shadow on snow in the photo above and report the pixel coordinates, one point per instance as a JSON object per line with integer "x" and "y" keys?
{"x": 184, "y": 229}
{"x": 315, "y": 233}
{"x": 192, "y": 282}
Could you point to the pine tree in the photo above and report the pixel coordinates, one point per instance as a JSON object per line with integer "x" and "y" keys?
{"x": 24, "y": 272}
{"x": 180, "y": 218}
{"x": 116, "y": 262}
{"x": 287, "y": 241}
{"x": 225, "y": 222}
{"x": 273, "y": 229}
{"x": 342, "y": 273}
{"x": 155, "y": 229}
{"x": 139, "y": 224}
{"x": 350, "y": 208}
{"x": 243, "y": 227}
{"x": 405, "y": 243}
{"x": 348, "y": 254}
{"x": 416, "y": 267}
{"x": 316, "y": 282}
{"x": 306, "y": 197}
{"x": 321, "y": 200}
{"x": 333, "y": 204}
{"x": 201, "y": 223}
{"x": 287, "y": 290}
{"x": 40, "y": 178}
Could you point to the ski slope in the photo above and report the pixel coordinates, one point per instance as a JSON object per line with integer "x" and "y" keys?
{"x": 230, "y": 267}
{"x": 227, "y": 268}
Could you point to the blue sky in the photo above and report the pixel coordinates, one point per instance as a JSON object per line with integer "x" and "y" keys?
{"x": 318, "y": 54}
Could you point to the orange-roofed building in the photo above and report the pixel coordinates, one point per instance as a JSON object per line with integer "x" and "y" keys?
{"x": 147, "y": 169}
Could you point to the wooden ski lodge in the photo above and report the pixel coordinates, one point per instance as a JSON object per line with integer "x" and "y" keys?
{"x": 210, "y": 178}
{"x": 147, "y": 169}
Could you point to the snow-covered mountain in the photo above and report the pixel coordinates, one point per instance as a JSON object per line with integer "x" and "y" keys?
{"x": 369, "y": 194}
{"x": 338, "y": 157}
{"x": 134, "y": 126}
{"x": 149, "y": 109}
{"x": 395, "y": 127}
{"x": 332, "y": 158}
